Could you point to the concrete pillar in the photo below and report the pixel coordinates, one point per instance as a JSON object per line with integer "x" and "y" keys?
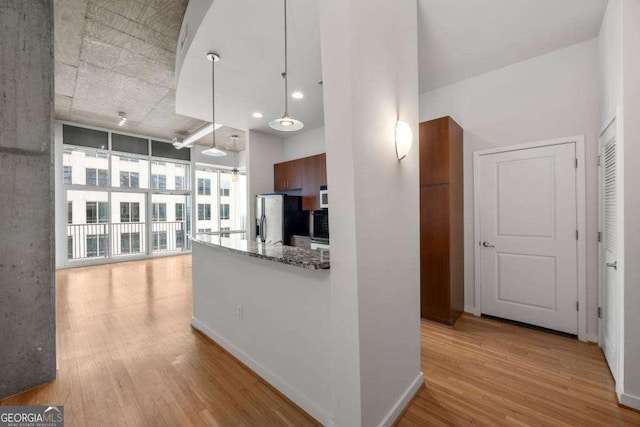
{"x": 370, "y": 75}
{"x": 27, "y": 287}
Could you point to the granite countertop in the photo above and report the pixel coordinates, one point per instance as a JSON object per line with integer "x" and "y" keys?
{"x": 312, "y": 259}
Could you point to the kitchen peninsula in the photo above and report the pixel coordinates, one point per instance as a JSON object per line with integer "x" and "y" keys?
{"x": 268, "y": 305}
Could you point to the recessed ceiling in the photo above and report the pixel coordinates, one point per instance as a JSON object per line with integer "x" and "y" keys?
{"x": 249, "y": 37}
{"x": 119, "y": 55}
{"x": 457, "y": 40}
{"x": 462, "y": 39}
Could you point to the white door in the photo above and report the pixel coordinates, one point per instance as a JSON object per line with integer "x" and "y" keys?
{"x": 609, "y": 220}
{"x": 528, "y": 236}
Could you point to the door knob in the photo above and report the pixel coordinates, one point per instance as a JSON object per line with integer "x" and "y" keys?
{"x": 487, "y": 245}
{"x": 613, "y": 265}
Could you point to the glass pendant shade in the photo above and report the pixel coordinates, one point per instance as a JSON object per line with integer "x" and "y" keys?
{"x": 286, "y": 124}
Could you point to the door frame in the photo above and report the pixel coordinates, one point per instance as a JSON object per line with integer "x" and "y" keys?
{"x": 615, "y": 119}
{"x": 581, "y": 221}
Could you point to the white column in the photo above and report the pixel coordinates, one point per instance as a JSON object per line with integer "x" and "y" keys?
{"x": 370, "y": 74}
{"x": 631, "y": 267}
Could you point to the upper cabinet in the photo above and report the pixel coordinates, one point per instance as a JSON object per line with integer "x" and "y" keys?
{"x": 307, "y": 174}
{"x": 287, "y": 175}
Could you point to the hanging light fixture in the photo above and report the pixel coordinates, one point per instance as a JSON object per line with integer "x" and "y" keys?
{"x": 213, "y": 151}
{"x": 286, "y": 123}
{"x": 235, "y": 171}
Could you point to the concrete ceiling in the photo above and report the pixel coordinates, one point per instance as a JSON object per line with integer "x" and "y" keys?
{"x": 462, "y": 39}
{"x": 119, "y": 55}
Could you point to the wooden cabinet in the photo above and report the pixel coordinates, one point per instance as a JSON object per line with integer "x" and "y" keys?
{"x": 441, "y": 221}
{"x": 307, "y": 174}
{"x": 287, "y": 175}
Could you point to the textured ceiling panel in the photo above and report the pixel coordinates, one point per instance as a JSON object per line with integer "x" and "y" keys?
{"x": 119, "y": 55}
{"x": 105, "y": 92}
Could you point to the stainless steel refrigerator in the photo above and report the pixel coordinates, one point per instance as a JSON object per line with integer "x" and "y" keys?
{"x": 278, "y": 217}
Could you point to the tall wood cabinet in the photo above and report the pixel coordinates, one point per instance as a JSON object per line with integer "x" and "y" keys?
{"x": 441, "y": 221}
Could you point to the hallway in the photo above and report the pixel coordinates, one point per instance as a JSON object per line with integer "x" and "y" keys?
{"x": 128, "y": 356}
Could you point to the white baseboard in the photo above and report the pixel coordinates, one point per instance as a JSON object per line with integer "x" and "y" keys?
{"x": 471, "y": 310}
{"x": 404, "y": 400}
{"x": 308, "y": 406}
{"x": 630, "y": 401}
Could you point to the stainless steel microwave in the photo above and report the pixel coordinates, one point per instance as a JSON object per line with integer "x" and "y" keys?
{"x": 324, "y": 198}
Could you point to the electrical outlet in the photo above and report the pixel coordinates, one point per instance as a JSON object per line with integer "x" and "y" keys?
{"x": 240, "y": 312}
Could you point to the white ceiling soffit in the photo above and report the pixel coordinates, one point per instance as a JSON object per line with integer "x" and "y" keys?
{"x": 459, "y": 39}
{"x": 248, "y": 35}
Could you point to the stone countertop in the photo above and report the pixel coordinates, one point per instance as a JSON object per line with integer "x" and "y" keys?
{"x": 312, "y": 259}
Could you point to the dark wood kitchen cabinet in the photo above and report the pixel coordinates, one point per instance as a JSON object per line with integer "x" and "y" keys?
{"x": 287, "y": 175}
{"x": 307, "y": 174}
{"x": 441, "y": 221}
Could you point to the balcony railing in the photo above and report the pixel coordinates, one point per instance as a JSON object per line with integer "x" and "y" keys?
{"x": 91, "y": 241}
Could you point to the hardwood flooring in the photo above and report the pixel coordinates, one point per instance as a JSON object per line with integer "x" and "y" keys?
{"x": 128, "y": 356}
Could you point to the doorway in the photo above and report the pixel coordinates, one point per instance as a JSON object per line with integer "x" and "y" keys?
{"x": 530, "y": 234}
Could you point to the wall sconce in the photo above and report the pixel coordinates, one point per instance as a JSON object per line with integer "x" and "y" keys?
{"x": 404, "y": 139}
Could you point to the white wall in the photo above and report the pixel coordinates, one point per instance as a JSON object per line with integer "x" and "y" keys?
{"x": 375, "y": 268}
{"x": 304, "y": 144}
{"x": 547, "y": 97}
{"x": 631, "y": 266}
{"x": 284, "y": 334}
{"x": 262, "y": 152}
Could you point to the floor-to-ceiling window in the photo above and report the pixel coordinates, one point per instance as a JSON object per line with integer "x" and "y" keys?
{"x": 221, "y": 200}
{"x": 126, "y": 196}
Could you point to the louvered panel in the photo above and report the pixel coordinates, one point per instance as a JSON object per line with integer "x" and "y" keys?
{"x": 610, "y": 199}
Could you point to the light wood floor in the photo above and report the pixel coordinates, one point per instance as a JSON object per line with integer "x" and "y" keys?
{"x": 127, "y": 356}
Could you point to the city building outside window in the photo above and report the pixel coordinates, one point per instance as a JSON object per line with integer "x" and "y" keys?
{"x": 97, "y": 212}
{"x": 159, "y": 182}
{"x": 129, "y": 212}
{"x": 224, "y": 211}
{"x": 204, "y": 187}
{"x": 97, "y": 177}
{"x": 129, "y": 179}
{"x": 159, "y": 211}
{"x": 179, "y": 211}
{"x": 204, "y": 212}
{"x": 67, "y": 175}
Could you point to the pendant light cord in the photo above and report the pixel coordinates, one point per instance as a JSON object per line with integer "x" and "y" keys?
{"x": 213, "y": 101}
{"x": 285, "y": 75}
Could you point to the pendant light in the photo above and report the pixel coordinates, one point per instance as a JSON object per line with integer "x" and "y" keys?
{"x": 235, "y": 171}
{"x": 286, "y": 123}
{"x": 213, "y": 151}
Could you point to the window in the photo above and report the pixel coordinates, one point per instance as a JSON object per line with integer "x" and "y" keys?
{"x": 128, "y": 159}
{"x": 204, "y": 212}
{"x": 159, "y": 182}
{"x": 224, "y": 211}
{"x": 159, "y": 240}
{"x": 159, "y": 211}
{"x": 129, "y": 212}
{"x": 130, "y": 243}
{"x": 204, "y": 230}
{"x": 179, "y": 183}
{"x": 67, "y": 175}
{"x": 95, "y": 155}
{"x": 96, "y": 245}
{"x": 97, "y": 212}
{"x": 224, "y": 187}
{"x": 225, "y": 234}
{"x": 69, "y": 212}
{"x": 179, "y": 239}
{"x": 204, "y": 187}
{"x": 129, "y": 179}
{"x": 179, "y": 211}
{"x": 96, "y": 177}
{"x": 70, "y": 247}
